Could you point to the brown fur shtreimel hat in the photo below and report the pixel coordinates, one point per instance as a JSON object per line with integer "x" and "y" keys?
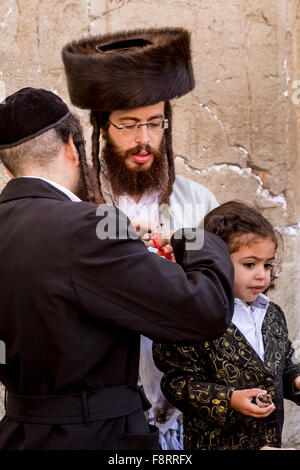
{"x": 128, "y": 70}
{"x": 28, "y": 113}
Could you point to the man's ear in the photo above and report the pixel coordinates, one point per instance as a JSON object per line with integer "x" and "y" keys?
{"x": 9, "y": 173}
{"x": 72, "y": 152}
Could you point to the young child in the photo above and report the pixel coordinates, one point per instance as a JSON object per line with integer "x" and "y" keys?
{"x": 214, "y": 383}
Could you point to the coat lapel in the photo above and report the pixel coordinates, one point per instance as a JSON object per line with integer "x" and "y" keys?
{"x": 234, "y": 346}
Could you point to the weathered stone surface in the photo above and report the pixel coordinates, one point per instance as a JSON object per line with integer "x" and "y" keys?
{"x": 237, "y": 132}
{"x": 230, "y": 182}
{"x": 31, "y": 38}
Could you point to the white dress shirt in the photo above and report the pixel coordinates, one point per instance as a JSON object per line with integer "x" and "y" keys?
{"x": 145, "y": 209}
{"x": 249, "y": 319}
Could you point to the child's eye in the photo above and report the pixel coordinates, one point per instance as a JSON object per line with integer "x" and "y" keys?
{"x": 249, "y": 265}
{"x": 268, "y": 266}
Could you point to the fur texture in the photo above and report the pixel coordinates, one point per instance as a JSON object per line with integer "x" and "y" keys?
{"x": 128, "y": 70}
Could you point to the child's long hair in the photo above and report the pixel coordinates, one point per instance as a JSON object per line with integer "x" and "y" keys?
{"x": 233, "y": 221}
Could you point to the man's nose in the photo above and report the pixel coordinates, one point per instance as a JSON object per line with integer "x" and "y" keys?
{"x": 143, "y": 136}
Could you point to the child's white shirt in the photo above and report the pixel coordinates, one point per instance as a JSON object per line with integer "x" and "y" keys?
{"x": 249, "y": 321}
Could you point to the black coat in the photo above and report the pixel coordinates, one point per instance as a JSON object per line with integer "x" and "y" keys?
{"x": 72, "y": 308}
{"x": 200, "y": 379}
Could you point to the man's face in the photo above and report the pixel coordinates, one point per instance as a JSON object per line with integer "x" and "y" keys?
{"x": 136, "y": 161}
{"x": 137, "y": 147}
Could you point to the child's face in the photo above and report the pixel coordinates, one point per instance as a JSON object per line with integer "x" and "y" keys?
{"x": 252, "y": 268}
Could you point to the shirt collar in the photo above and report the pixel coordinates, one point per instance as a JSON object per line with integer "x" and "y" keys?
{"x": 261, "y": 301}
{"x": 69, "y": 193}
{"x": 147, "y": 198}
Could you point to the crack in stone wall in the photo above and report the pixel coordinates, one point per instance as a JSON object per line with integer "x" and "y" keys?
{"x": 292, "y": 230}
{"x": 246, "y": 172}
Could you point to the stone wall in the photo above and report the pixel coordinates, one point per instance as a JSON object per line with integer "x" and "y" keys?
{"x": 237, "y": 132}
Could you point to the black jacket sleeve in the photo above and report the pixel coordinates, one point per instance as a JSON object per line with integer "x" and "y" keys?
{"x": 122, "y": 285}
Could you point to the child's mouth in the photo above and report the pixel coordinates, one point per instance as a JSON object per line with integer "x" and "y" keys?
{"x": 257, "y": 289}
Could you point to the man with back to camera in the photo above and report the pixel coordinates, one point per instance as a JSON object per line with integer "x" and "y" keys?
{"x": 72, "y": 304}
{"x": 127, "y": 80}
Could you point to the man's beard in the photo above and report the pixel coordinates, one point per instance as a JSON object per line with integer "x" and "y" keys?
{"x": 135, "y": 181}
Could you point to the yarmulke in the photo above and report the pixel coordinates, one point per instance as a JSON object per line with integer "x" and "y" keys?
{"x": 28, "y": 113}
{"x": 129, "y": 69}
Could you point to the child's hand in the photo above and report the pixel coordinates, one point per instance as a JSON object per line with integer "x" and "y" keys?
{"x": 241, "y": 402}
{"x": 297, "y": 383}
{"x": 276, "y": 448}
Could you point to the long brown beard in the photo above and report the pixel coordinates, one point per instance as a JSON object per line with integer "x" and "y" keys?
{"x": 130, "y": 181}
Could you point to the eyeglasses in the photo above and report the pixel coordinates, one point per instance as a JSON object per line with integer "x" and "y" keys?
{"x": 154, "y": 127}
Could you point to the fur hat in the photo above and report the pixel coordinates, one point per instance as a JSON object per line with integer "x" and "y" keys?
{"x": 28, "y": 113}
{"x": 128, "y": 70}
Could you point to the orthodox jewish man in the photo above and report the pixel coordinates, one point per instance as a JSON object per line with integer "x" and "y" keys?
{"x": 73, "y": 301}
{"x": 127, "y": 80}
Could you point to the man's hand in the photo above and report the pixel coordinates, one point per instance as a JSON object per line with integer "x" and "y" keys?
{"x": 167, "y": 250}
{"x": 143, "y": 227}
{"x": 162, "y": 243}
{"x": 148, "y": 231}
{"x": 241, "y": 402}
